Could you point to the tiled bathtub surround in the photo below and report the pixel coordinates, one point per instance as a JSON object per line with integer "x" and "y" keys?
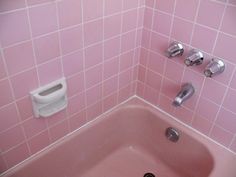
{"x": 95, "y": 44}
{"x": 209, "y": 26}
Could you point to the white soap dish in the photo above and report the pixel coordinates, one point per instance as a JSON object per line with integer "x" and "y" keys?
{"x": 49, "y": 99}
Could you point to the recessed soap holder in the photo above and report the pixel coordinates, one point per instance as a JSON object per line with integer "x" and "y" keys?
{"x": 49, "y": 99}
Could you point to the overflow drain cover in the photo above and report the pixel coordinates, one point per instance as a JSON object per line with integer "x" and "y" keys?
{"x": 148, "y": 175}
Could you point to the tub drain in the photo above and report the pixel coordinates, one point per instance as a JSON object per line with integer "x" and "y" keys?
{"x": 148, "y": 175}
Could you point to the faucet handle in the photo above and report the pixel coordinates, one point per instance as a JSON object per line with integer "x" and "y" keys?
{"x": 174, "y": 49}
{"x": 215, "y": 67}
{"x": 195, "y": 57}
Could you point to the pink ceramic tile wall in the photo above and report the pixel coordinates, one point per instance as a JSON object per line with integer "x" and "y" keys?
{"x": 210, "y": 27}
{"x": 95, "y": 44}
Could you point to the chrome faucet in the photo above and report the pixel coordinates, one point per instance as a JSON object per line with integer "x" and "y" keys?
{"x": 187, "y": 90}
{"x": 175, "y": 49}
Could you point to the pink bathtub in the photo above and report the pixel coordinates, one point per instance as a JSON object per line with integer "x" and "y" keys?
{"x": 129, "y": 142}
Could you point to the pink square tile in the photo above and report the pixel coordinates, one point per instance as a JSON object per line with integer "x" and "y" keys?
{"x": 195, "y": 78}
{"x": 111, "y": 68}
{"x": 69, "y": 13}
{"x": 153, "y": 80}
{"x": 58, "y": 117}
{"x": 126, "y": 60}
{"x": 6, "y": 95}
{"x": 21, "y": 54}
{"x": 34, "y": 126}
{"x": 174, "y": 71}
{"x": 94, "y": 111}
{"x": 129, "y": 20}
{"x": 199, "y": 38}
{"x": 222, "y": 136}
{"x": 186, "y": 9}
{"x": 110, "y": 86}
{"x": 112, "y": 26}
{"x": 76, "y": 104}
{"x": 110, "y": 101}
{"x": 3, "y": 165}
{"x": 213, "y": 91}
{"x": 8, "y": 5}
{"x": 43, "y": 19}
{"x": 16, "y": 155}
{"x": 184, "y": 115}
{"x": 30, "y": 77}
{"x": 226, "y": 120}
{"x": 149, "y": 3}
{"x": 229, "y": 101}
{"x": 159, "y": 43}
{"x": 169, "y": 88}
{"x": 75, "y": 84}
{"x": 233, "y": 82}
{"x": 210, "y": 19}
{"x": 93, "y": 32}
{"x": 93, "y": 55}
{"x": 71, "y": 39}
{"x": 73, "y": 63}
{"x": 148, "y": 16}
{"x": 229, "y": 24}
{"x": 93, "y": 76}
{"x": 94, "y": 94}
{"x": 127, "y": 41}
{"x": 12, "y": 21}
{"x": 140, "y": 89}
{"x": 225, "y": 47}
{"x": 46, "y": 48}
{"x": 92, "y": 9}
{"x": 111, "y": 48}
{"x": 77, "y": 120}
{"x": 50, "y": 71}
{"x": 201, "y": 124}
{"x": 125, "y": 78}
{"x": 59, "y": 130}
{"x": 151, "y": 95}
{"x": 124, "y": 93}
{"x": 9, "y": 117}
{"x": 2, "y": 69}
{"x": 233, "y": 145}
{"x": 39, "y": 142}
{"x": 35, "y": 2}
{"x": 112, "y": 6}
{"x": 146, "y": 37}
{"x": 11, "y": 138}
{"x": 142, "y": 71}
{"x": 166, "y": 6}
{"x": 177, "y": 31}
{"x": 231, "y": 2}
{"x": 165, "y": 104}
{"x": 207, "y": 109}
{"x": 162, "y": 23}
{"x": 130, "y": 4}
{"x": 143, "y": 59}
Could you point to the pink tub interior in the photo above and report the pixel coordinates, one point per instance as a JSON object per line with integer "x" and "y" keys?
{"x": 129, "y": 142}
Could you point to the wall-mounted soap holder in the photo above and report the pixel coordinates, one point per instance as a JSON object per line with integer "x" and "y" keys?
{"x": 49, "y": 99}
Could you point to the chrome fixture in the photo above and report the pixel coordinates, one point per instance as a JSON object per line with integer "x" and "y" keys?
{"x": 172, "y": 134}
{"x": 195, "y": 57}
{"x": 187, "y": 90}
{"x": 175, "y": 49}
{"x": 216, "y": 66}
